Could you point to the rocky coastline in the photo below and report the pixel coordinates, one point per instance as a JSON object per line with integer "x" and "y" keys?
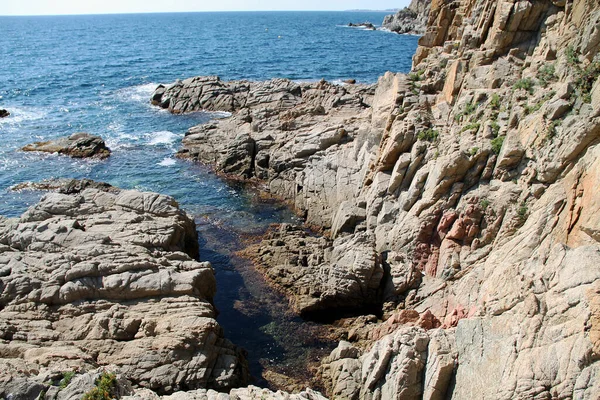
{"x": 108, "y": 277}
{"x": 458, "y": 200}
{"x": 458, "y": 249}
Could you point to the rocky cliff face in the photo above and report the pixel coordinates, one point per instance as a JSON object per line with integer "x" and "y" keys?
{"x": 410, "y": 20}
{"x": 108, "y": 277}
{"x": 468, "y": 187}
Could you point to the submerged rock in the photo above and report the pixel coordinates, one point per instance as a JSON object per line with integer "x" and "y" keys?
{"x": 4, "y": 113}
{"x": 78, "y": 145}
{"x": 110, "y": 277}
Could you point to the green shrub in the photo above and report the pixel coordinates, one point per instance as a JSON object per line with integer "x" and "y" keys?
{"x": 416, "y": 76}
{"x": 546, "y": 74}
{"x": 526, "y": 84}
{"x": 429, "y": 135}
{"x": 522, "y": 212}
{"x": 495, "y": 128}
{"x": 485, "y": 203}
{"x": 474, "y": 151}
{"x": 572, "y": 56}
{"x": 495, "y": 102}
{"x": 104, "y": 390}
{"x": 472, "y": 126}
{"x": 470, "y": 108}
{"x": 67, "y": 377}
{"x": 586, "y": 79}
{"x": 497, "y": 144}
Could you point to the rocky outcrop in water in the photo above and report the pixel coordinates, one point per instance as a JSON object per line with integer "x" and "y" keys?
{"x": 4, "y": 113}
{"x": 364, "y": 25}
{"x": 473, "y": 179}
{"x": 78, "y": 145}
{"x": 410, "y": 20}
{"x": 108, "y": 277}
{"x": 66, "y": 185}
{"x": 279, "y": 131}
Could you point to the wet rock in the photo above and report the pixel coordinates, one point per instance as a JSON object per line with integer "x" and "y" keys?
{"x": 4, "y": 113}
{"x": 78, "y": 145}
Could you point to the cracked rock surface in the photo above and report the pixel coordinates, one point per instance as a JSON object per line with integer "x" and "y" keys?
{"x": 109, "y": 277}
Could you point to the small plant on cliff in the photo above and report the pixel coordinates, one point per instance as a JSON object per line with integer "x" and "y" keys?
{"x": 551, "y": 130}
{"x": 495, "y": 128}
{"x": 546, "y": 74}
{"x": 526, "y": 84}
{"x": 66, "y": 379}
{"x": 429, "y": 135}
{"x": 522, "y": 212}
{"x": 474, "y": 151}
{"x": 474, "y": 126}
{"x": 469, "y": 109}
{"x": 572, "y": 56}
{"x": 104, "y": 390}
{"x": 495, "y": 102}
{"x": 497, "y": 144}
{"x": 485, "y": 203}
{"x": 416, "y": 76}
{"x": 586, "y": 79}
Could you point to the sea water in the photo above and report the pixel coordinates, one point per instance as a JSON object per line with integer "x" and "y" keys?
{"x": 65, "y": 74}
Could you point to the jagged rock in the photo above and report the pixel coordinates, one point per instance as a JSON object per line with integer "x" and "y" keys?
{"x": 477, "y": 175}
{"x": 110, "y": 277}
{"x": 366, "y": 25}
{"x": 279, "y": 128}
{"x": 322, "y": 277}
{"x": 410, "y": 20}
{"x": 392, "y": 369}
{"x": 78, "y": 145}
{"x": 4, "y": 113}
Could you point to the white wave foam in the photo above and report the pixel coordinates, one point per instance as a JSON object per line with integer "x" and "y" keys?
{"x": 22, "y": 114}
{"x": 167, "y": 162}
{"x": 139, "y": 93}
{"x": 162, "y": 137}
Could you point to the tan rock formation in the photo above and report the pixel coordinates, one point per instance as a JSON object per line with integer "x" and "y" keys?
{"x": 109, "y": 277}
{"x": 476, "y": 179}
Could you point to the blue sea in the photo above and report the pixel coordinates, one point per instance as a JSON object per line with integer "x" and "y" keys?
{"x": 95, "y": 74}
